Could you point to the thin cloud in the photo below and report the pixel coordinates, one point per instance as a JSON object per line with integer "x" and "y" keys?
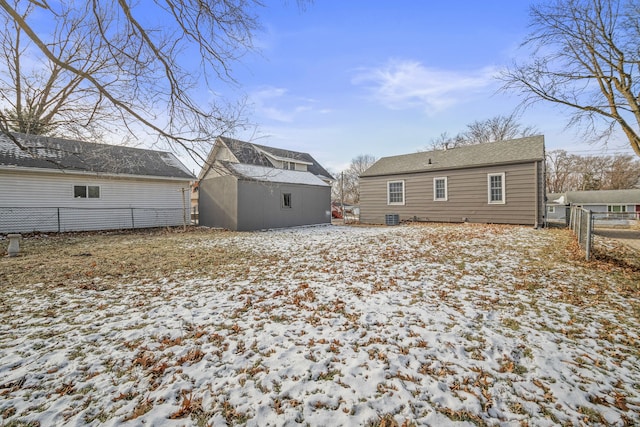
{"x": 274, "y": 103}
{"x": 409, "y": 84}
{"x": 264, "y": 101}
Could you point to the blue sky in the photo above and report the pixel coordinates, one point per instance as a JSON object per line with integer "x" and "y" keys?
{"x": 343, "y": 78}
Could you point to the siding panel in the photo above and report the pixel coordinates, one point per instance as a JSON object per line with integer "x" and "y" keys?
{"x": 39, "y": 195}
{"x": 218, "y": 202}
{"x": 260, "y": 205}
{"x": 467, "y": 196}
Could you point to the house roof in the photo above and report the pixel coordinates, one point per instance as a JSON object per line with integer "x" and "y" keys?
{"x": 271, "y": 174}
{"x": 255, "y": 154}
{"x": 599, "y": 197}
{"x": 556, "y": 198}
{"x": 71, "y": 155}
{"x": 501, "y": 152}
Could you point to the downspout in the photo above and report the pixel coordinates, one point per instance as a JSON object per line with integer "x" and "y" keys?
{"x": 537, "y": 198}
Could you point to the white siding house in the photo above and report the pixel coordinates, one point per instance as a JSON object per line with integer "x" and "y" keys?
{"x": 605, "y": 204}
{"x": 63, "y": 185}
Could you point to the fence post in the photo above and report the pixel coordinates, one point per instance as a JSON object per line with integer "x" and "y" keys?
{"x": 571, "y": 221}
{"x": 133, "y": 225}
{"x": 589, "y": 235}
{"x": 579, "y": 225}
{"x": 58, "y": 209}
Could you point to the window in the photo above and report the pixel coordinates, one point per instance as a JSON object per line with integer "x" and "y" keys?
{"x": 496, "y": 188}
{"x": 440, "y": 189}
{"x": 286, "y": 200}
{"x": 289, "y": 166}
{"x": 551, "y": 209}
{"x": 395, "y": 192}
{"x": 86, "y": 191}
{"x": 616, "y": 208}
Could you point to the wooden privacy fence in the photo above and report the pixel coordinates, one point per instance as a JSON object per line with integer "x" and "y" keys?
{"x": 581, "y": 222}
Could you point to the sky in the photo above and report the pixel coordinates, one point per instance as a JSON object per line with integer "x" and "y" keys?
{"x": 338, "y": 79}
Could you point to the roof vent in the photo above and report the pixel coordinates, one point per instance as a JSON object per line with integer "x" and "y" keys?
{"x": 429, "y": 161}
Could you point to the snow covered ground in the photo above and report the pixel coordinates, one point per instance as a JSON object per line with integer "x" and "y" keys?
{"x": 421, "y": 325}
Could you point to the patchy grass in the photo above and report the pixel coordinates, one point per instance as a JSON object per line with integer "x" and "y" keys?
{"x": 381, "y": 326}
{"x": 102, "y": 259}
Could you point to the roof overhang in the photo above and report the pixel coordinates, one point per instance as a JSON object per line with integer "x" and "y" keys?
{"x": 437, "y": 169}
{"x": 71, "y": 172}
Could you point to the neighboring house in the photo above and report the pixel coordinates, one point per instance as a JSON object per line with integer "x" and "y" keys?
{"x": 605, "y": 203}
{"x": 195, "y": 188}
{"x": 556, "y": 208}
{"x": 248, "y": 186}
{"x": 57, "y": 184}
{"x": 497, "y": 182}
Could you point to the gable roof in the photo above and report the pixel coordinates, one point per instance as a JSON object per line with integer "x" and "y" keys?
{"x": 599, "y": 197}
{"x": 255, "y": 154}
{"x": 49, "y": 153}
{"x": 491, "y": 153}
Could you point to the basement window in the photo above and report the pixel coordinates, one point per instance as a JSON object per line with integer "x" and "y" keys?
{"x": 86, "y": 192}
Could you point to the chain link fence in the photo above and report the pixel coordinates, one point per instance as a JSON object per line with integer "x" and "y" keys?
{"x": 581, "y": 222}
{"x": 56, "y": 219}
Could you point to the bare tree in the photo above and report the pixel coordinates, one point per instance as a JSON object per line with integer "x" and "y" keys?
{"x": 347, "y": 184}
{"x": 592, "y": 171}
{"x": 45, "y": 99}
{"x": 109, "y": 57}
{"x": 444, "y": 141}
{"x": 498, "y": 128}
{"x": 570, "y": 172}
{"x": 560, "y": 166}
{"x": 624, "y": 172}
{"x": 586, "y": 58}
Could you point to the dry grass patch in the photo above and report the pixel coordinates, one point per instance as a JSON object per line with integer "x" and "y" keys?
{"x": 102, "y": 259}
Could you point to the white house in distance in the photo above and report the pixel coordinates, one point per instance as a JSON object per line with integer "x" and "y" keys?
{"x": 247, "y": 186}
{"x": 616, "y": 204}
{"x": 56, "y": 184}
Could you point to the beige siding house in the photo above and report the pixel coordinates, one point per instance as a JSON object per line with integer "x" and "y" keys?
{"x": 499, "y": 182}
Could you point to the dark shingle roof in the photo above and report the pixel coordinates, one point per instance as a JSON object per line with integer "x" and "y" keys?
{"x": 253, "y": 154}
{"x": 501, "y": 152}
{"x": 65, "y": 154}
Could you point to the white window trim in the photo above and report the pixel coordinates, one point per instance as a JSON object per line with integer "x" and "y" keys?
{"x": 403, "y": 193}
{"x": 504, "y": 189}
{"x": 446, "y": 189}
{"x": 623, "y": 208}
